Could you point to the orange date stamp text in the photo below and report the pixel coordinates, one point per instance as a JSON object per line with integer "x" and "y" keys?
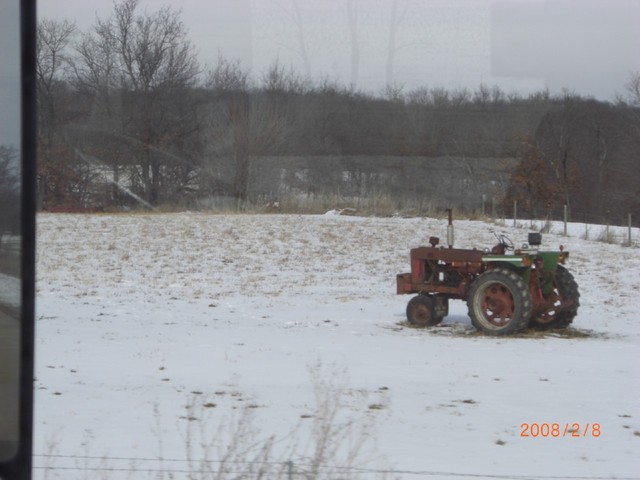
{"x": 560, "y": 430}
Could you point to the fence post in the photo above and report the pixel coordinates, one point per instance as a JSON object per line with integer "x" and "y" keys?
{"x": 515, "y": 212}
{"x": 289, "y": 470}
{"x": 629, "y": 232}
{"x": 484, "y": 198}
{"x": 493, "y": 208}
{"x": 566, "y": 215}
{"x": 608, "y": 222}
{"x": 586, "y": 230}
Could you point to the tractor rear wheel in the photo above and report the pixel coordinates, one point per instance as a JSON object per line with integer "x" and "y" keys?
{"x": 421, "y": 312}
{"x": 561, "y": 304}
{"x": 499, "y": 302}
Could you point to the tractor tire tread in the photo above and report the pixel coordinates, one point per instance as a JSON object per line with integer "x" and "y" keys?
{"x": 519, "y": 288}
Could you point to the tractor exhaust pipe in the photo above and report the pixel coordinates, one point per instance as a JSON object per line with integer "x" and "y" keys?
{"x": 450, "y": 235}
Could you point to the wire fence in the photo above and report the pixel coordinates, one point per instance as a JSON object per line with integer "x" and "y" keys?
{"x": 489, "y": 206}
{"x": 622, "y": 228}
{"x": 160, "y": 468}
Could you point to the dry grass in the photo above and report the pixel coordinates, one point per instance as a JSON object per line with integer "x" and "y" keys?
{"x": 607, "y": 236}
{"x": 223, "y": 440}
{"x": 331, "y": 441}
{"x": 377, "y": 205}
{"x": 465, "y": 330}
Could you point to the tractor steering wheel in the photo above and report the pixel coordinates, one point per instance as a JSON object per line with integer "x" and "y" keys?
{"x": 505, "y": 242}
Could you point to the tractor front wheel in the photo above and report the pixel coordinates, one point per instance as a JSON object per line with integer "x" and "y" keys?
{"x": 499, "y": 302}
{"x": 421, "y": 312}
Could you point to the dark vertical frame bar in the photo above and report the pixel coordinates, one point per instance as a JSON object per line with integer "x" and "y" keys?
{"x": 29, "y": 141}
{"x": 19, "y": 468}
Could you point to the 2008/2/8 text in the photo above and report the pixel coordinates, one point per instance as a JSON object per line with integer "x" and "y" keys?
{"x": 555, "y": 430}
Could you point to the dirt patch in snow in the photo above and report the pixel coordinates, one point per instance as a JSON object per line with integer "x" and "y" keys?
{"x": 465, "y": 330}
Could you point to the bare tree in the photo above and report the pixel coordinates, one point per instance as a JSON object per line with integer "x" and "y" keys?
{"x": 140, "y": 69}
{"x": 482, "y": 96}
{"x": 555, "y": 141}
{"x": 530, "y": 185}
{"x": 633, "y": 100}
{"x": 53, "y": 44}
{"x": 582, "y": 155}
{"x": 243, "y": 123}
{"x": 278, "y": 79}
{"x": 53, "y": 61}
{"x": 633, "y": 89}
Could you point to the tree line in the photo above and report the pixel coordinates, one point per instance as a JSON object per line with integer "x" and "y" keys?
{"x": 128, "y": 116}
{"x": 9, "y": 191}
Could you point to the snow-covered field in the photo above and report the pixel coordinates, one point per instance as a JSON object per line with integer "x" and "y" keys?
{"x": 9, "y": 285}
{"x": 158, "y": 335}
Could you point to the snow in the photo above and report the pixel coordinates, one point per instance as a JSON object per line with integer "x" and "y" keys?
{"x": 9, "y": 290}
{"x": 156, "y": 331}
{"x": 9, "y": 284}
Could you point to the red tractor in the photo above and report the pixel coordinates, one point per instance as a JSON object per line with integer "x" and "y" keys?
{"x": 507, "y": 289}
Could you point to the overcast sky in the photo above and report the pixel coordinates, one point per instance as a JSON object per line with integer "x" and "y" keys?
{"x": 587, "y": 46}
